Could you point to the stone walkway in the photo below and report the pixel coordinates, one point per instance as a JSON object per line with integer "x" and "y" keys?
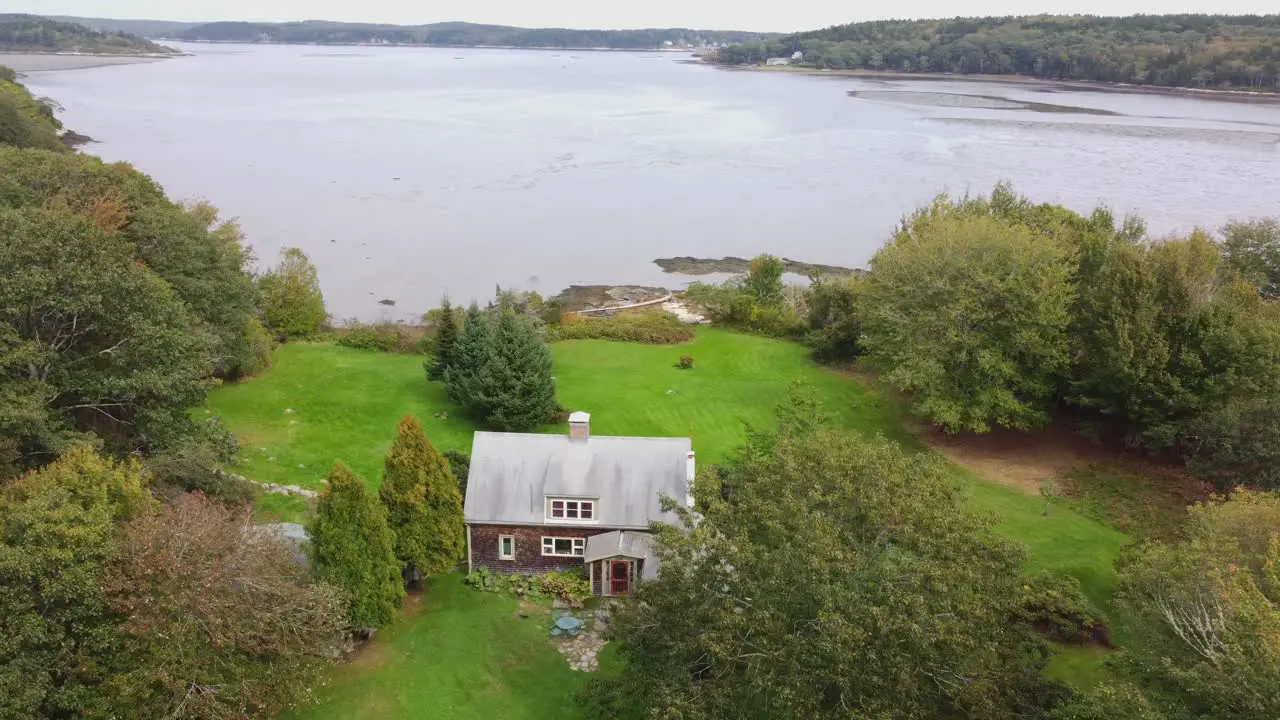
{"x": 583, "y": 650}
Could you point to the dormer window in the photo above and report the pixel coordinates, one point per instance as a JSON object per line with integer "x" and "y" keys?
{"x": 571, "y": 510}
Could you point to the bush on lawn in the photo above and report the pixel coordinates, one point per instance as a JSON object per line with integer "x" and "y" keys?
{"x": 654, "y": 328}
{"x": 385, "y": 337}
{"x": 686, "y": 362}
{"x": 1055, "y": 606}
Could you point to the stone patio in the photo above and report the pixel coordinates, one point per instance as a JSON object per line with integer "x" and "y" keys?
{"x": 583, "y": 650}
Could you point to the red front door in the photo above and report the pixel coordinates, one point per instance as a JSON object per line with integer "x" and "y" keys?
{"x": 619, "y": 577}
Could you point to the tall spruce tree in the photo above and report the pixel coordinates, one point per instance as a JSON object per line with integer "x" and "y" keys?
{"x": 353, "y": 548}
{"x": 514, "y": 390}
{"x": 470, "y": 353}
{"x": 423, "y": 506}
{"x": 446, "y": 341}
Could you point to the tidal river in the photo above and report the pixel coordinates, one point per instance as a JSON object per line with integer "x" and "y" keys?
{"x": 408, "y": 173}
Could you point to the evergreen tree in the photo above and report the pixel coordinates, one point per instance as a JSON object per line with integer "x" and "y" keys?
{"x": 514, "y": 391}
{"x": 423, "y": 506}
{"x": 353, "y": 548}
{"x": 469, "y": 355}
{"x": 446, "y": 341}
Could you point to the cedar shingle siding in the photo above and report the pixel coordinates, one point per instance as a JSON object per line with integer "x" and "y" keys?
{"x": 529, "y": 558}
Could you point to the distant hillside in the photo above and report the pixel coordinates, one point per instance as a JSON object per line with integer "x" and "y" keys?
{"x": 141, "y": 28}
{"x": 464, "y": 34}
{"x": 1207, "y": 51}
{"x": 30, "y": 33}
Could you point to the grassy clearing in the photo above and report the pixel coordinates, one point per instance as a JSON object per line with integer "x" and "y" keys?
{"x": 458, "y": 655}
{"x": 346, "y": 405}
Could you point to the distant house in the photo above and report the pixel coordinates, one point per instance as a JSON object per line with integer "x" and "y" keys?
{"x": 540, "y": 503}
{"x": 777, "y": 61}
{"x": 797, "y": 56}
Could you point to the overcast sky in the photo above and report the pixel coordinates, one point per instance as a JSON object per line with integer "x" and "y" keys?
{"x": 763, "y": 15}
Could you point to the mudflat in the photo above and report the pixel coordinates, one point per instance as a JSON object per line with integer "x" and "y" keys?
{"x": 40, "y": 62}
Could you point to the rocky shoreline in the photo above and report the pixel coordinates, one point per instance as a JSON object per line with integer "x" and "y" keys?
{"x": 737, "y": 265}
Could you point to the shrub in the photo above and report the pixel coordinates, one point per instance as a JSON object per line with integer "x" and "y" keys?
{"x": 734, "y": 304}
{"x": 571, "y": 587}
{"x": 1055, "y": 606}
{"x": 654, "y": 328}
{"x": 252, "y": 351}
{"x": 686, "y": 362}
{"x": 1107, "y": 701}
{"x": 385, "y": 337}
{"x": 835, "y": 329}
{"x": 1237, "y": 443}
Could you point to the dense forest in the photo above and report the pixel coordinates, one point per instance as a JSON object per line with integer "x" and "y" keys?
{"x": 1202, "y": 51}
{"x": 463, "y": 35}
{"x": 141, "y": 28}
{"x": 30, "y": 33}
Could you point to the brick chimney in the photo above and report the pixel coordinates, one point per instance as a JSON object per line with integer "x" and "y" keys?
{"x": 579, "y": 426}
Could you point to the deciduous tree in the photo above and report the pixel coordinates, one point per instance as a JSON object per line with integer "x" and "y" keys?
{"x": 353, "y": 548}
{"x": 61, "y": 530}
{"x": 90, "y": 340}
{"x": 290, "y": 298}
{"x": 1253, "y": 249}
{"x": 221, "y": 620}
{"x": 423, "y": 506}
{"x": 843, "y": 579}
{"x": 969, "y": 313}
{"x": 1209, "y": 609}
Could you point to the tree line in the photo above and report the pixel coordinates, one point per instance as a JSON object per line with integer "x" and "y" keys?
{"x": 998, "y": 312}
{"x": 461, "y": 34}
{"x": 1200, "y": 51}
{"x": 32, "y": 33}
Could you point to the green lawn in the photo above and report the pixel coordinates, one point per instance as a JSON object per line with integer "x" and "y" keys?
{"x": 463, "y": 654}
{"x": 346, "y": 404}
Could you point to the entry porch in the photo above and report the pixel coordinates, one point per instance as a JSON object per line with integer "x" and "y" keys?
{"x": 617, "y": 560}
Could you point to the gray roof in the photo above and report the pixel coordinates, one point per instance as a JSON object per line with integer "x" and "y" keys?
{"x": 512, "y": 474}
{"x": 624, "y": 543}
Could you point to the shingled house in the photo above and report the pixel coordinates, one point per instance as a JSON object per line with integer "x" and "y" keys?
{"x": 537, "y": 503}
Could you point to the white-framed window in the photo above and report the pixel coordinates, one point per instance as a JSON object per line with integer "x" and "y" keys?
{"x": 506, "y": 547}
{"x": 563, "y": 546}
{"x": 571, "y": 510}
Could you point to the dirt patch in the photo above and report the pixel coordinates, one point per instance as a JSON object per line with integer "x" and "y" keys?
{"x": 413, "y": 603}
{"x": 530, "y": 610}
{"x": 370, "y": 656}
{"x": 1023, "y": 460}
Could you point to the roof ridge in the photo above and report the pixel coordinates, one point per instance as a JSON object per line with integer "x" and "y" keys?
{"x": 593, "y": 437}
